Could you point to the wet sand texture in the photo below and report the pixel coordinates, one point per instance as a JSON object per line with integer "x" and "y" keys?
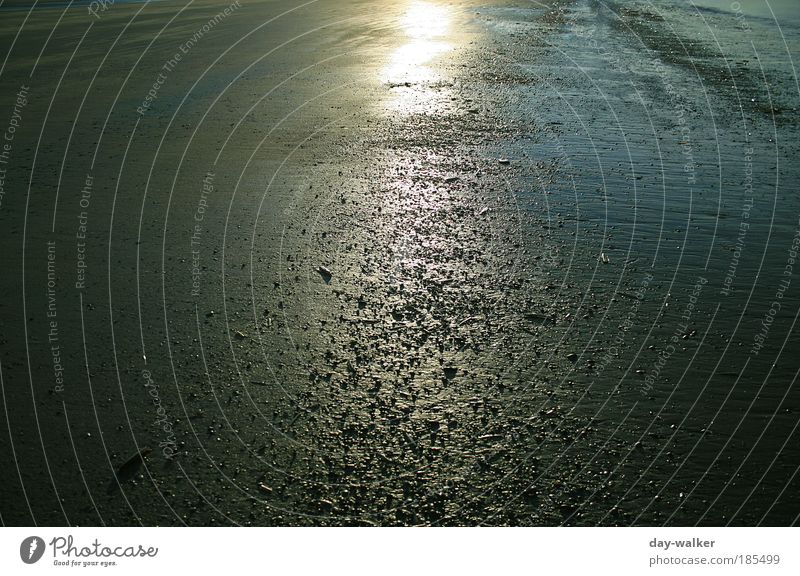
{"x": 399, "y": 263}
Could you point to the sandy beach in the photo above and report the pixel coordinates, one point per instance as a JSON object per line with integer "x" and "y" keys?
{"x": 399, "y": 263}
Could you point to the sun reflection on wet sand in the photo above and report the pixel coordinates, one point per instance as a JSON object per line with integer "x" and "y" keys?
{"x": 408, "y": 71}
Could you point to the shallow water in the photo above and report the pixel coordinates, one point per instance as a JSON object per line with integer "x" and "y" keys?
{"x": 667, "y": 151}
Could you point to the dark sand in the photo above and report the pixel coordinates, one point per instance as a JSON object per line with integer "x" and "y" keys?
{"x": 315, "y": 291}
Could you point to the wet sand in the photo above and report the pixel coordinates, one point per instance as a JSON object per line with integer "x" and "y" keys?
{"x": 398, "y": 264}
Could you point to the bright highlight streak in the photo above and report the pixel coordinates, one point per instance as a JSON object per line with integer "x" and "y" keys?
{"x": 425, "y": 24}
